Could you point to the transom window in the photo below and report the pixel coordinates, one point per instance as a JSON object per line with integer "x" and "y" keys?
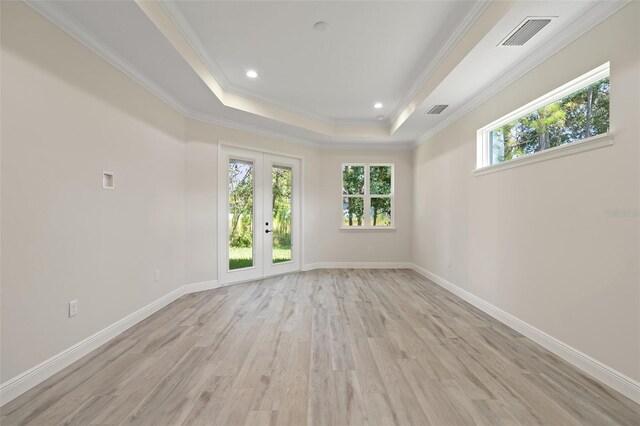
{"x": 577, "y": 111}
{"x": 367, "y": 196}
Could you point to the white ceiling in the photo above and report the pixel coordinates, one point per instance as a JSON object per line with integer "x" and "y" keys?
{"x": 320, "y": 87}
{"x": 370, "y": 52}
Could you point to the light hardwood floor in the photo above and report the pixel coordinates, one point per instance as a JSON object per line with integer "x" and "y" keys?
{"x": 323, "y": 347}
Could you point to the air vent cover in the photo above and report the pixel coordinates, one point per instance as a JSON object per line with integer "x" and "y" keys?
{"x": 523, "y": 33}
{"x": 437, "y": 109}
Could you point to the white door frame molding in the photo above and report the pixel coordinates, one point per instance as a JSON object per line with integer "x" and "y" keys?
{"x": 225, "y": 275}
{"x": 240, "y": 151}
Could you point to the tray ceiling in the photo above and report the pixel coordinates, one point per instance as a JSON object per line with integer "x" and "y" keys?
{"x": 320, "y": 87}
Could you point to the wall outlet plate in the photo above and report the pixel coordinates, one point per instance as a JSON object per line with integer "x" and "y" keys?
{"x": 107, "y": 180}
{"x": 73, "y": 308}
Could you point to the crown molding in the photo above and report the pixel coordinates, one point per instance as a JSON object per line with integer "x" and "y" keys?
{"x": 51, "y": 12}
{"x": 58, "y": 17}
{"x": 168, "y": 28}
{"x": 259, "y": 131}
{"x": 588, "y": 20}
{"x": 414, "y": 86}
{"x": 182, "y": 25}
{"x": 491, "y": 15}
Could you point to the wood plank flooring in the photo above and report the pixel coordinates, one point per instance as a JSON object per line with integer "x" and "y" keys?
{"x": 371, "y": 347}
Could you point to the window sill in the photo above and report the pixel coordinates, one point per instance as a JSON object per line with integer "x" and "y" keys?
{"x": 367, "y": 228}
{"x": 594, "y": 142}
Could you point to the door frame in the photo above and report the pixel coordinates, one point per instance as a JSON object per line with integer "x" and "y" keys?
{"x": 269, "y": 268}
{"x": 221, "y": 226}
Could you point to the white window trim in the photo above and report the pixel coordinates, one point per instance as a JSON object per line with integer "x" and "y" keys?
{"x": 483, "y": 160}
{"x": 367, "y": 199}
{"x": 588, "y": 144}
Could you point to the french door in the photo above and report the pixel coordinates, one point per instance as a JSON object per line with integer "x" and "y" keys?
{"x": 258, "y": 214}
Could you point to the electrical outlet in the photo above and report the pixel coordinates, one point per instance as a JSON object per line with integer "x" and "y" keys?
{"x": 157, "y": 275}
{"x": 73, "y": 308}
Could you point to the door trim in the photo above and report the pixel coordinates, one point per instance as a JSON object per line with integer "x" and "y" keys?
{"x": 255, "y": 271}
{"x": 234, "y": 145}
{"x": 269, "y": 267}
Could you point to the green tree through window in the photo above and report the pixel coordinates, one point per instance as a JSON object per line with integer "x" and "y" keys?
{"x": 580, "y": 115}
{"x": 367, "y": 195}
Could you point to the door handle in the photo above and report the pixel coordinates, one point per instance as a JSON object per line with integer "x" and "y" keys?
{"x": 266, "y": 231}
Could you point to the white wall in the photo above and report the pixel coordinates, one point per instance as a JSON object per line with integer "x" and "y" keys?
{"x": 66, "y": 116}
{"x": 323, "y": 240}
{"x": 202, "y": 190}
{"x": 535, "y": 240}
{"x": 338, "y": 245}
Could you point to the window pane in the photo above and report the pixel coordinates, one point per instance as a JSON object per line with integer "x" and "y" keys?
{"x": 380, "y": 180}
{"x": 580, "y": 115}
{"x": 352, "y": 211}
{"x": 240, "y": 214}
{"x": 353, "y": 180}
{"x": 380, "y": 211}
{"x": 281, "y": 236}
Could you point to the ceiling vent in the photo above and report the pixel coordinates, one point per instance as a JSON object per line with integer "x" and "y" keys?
{"x": 437, "y": 109}
{"x": 523, "y": 32}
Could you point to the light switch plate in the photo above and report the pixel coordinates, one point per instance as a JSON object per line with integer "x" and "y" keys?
{"x": 73, "y": 308}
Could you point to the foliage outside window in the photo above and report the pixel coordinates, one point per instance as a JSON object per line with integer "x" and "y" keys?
{"x": 577, "y": 111}
{"x": 367, "y": 195}
{"x": 240, "y": 214}
{"x": 281, "y": 182}
{"x": 241, "y": 204}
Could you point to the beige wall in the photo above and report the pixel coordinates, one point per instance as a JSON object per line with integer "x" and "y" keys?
{"x": 338, "y": 245}
{"x": 323, "y": 241}
{"x": 67, "y": 115}
{"x": 535, "y": 240}
{"x": 202, "y": 190}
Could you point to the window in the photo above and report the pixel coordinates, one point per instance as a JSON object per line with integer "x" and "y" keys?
{"x": 577, "y": 111}
{"x": 367, "y": 196}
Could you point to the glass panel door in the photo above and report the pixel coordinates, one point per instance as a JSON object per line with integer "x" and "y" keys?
{"x": 240, "y": 216}
{"x": 281, "y": 213}
{"x": 282, "y": 220}
{"x": 240, "y": 213}
{"x": 258, "y": 215}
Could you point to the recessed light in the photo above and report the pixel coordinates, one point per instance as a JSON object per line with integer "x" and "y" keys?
{"x": 252, "y": 74}
{"x": 377, "y": 105}
{"x": 380, "y": 117}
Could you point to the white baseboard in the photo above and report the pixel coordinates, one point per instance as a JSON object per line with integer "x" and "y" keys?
{"x": 357, "y": 265}
{"x": 18, "y": 385}
{"x": 596, "y": 369}
{"x": 202, "y": 286}
{"x": 30, "y": 378}
{"x": 607, "y": 375}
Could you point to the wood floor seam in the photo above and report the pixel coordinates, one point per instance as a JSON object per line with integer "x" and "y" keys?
{"x": 322, "y": 347}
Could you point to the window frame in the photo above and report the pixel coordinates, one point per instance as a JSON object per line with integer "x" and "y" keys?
{"x": 366, "y": 219}
{"x": 484, "y": 148}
